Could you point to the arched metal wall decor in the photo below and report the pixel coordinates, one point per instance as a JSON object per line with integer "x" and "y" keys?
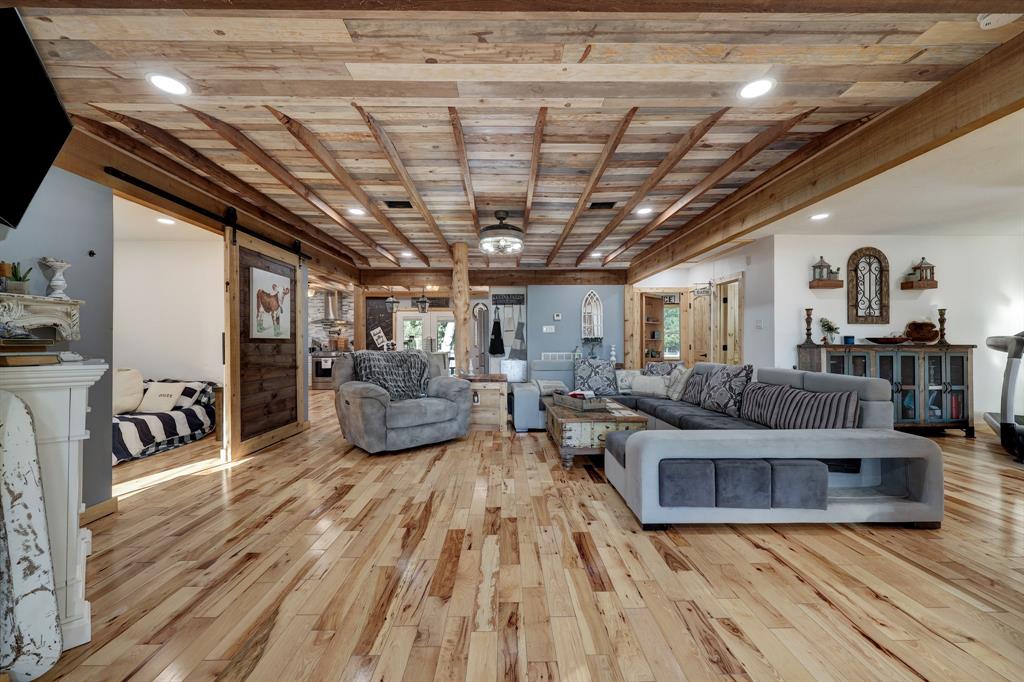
{"x": 867, "y": 289}
{"x": 592, "y": 317}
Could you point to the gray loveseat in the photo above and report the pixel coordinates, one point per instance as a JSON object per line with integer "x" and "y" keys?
{"x": 375, "y": 423}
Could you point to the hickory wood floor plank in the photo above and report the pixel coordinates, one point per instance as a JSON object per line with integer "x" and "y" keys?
{"x": 482, "y": 560}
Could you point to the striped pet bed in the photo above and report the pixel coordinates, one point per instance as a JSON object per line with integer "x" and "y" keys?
{"x": 142, "y": 434}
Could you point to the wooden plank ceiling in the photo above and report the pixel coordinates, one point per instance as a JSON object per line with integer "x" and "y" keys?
{"x": 442, "y": 110}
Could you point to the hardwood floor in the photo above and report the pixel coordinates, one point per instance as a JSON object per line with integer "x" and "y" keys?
{"x": 482, "y": 559}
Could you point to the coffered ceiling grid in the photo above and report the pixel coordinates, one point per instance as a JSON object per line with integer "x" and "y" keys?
{"x": 408, "y": 70}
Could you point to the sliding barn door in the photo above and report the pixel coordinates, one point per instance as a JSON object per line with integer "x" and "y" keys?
{"x": 265, "y": 341}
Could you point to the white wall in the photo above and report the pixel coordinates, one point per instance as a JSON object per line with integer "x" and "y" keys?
{"x": 755, "y": 261}
{"x": 981, "y": 283}
{"x": 168, "y": 299}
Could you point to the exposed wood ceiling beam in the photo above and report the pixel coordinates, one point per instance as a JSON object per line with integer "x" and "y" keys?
{"x": 984, "y": 91}
{"x": 531, "y": 182}
{"x": 595, "y": 176}
{"x": 278, "y": 229}
{"x": 319, "y": 151}
{"x": 681, "y": 148}
{"x": 240, "y": 141}
{"x": 460, "y": 152}
{"x": 391, "y": 154}
{"x": 424, "y": 277}
{"x": 798, "y": 157}
{"x": 170, "y": 143}
{"x": 731, "y": 165}
{"x": 649, "y": 6}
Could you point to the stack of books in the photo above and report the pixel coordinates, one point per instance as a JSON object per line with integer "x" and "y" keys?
{"x": 27, "y": 352}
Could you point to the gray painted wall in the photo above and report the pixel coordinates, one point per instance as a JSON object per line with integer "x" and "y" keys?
{"x": 69, "y": 217}
{"x": 543, "y": 301}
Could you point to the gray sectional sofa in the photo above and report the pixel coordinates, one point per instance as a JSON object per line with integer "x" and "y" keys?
{"x": 695, "y": 465}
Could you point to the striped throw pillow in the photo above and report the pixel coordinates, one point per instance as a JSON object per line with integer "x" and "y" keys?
{"x": 760, "y": 402}
{"x": 792, "y": 408}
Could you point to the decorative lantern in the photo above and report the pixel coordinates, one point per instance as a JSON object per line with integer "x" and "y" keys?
{"x": 923, "y": 271}
{"x": 821, "y": 269}
{"x": 422, "y": 303}
{"x": 391, "y": 303}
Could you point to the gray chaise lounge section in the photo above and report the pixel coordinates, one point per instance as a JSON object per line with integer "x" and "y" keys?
{"x": 375, "y": 423}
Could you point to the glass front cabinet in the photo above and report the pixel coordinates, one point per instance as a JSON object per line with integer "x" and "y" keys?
{"x": 931, "y": 385}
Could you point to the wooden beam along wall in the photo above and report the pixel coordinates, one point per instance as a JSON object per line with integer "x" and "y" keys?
{"x": 170, "y": 168}
{"x": 416, "y": 278}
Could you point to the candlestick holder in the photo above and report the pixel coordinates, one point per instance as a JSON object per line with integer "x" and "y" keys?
{"x": 942, "y": 328}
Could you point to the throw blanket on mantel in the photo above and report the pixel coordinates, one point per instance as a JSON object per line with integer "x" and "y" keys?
{"x": 30, "y": 637}
{"x": 142, "y": 434}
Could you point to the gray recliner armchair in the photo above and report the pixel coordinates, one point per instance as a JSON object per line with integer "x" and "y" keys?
{"x": 375, "y": 423}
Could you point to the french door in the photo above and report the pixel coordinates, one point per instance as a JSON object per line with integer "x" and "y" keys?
{"x": 432, "y": 331}
{"x": 264, "y": 342}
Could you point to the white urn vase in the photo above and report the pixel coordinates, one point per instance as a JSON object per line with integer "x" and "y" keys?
{"x": 57, "y": 282}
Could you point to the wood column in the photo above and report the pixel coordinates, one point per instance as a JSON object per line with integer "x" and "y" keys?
{"x": 460, "y": 304}
{"x": 358, "y": 317}
{"x": 632, "y": 354}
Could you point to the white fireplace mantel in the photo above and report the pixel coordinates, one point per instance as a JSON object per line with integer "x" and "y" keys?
{"x": 33, "y": 312}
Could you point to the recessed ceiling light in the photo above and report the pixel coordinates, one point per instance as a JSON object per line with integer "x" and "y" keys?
{"x": 167, "y": 84}
{"x": 165, "y": 221}
{"x": 756, "y": 88}
{"x": 645, "y": 210}
{"x": 595, "y": 255}
{"x": 357, "y": 211}
{"x": 820, "y": 216}
{"x": 406, "y": 254}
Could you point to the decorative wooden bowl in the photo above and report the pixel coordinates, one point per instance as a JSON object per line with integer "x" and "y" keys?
{"x": 921, "y": 332}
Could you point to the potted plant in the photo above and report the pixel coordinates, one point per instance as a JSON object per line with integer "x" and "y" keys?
{"x": 17, "y": 283}
{"x": 829, "y": 329}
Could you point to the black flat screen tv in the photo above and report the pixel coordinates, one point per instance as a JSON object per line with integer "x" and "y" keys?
{"x": 32, "y": 119}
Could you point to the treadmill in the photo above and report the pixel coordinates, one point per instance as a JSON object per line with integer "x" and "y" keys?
{"x": 1008, "y": 425}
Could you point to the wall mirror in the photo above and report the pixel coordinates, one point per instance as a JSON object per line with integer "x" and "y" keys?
{"x": 592, "y": 317}
{"x": 867, "y": 288}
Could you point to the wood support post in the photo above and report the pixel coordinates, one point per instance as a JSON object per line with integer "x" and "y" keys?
{"x": 632, "y": 355}
{"x": 358, "y": 317}
{"x": 460, "y": 304}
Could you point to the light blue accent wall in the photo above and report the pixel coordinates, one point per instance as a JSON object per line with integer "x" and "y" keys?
{"x": 69, "y": 217}
{"x": 544, "y": 300}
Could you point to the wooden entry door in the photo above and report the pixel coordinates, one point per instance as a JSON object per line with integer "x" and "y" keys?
{"x": 265, "y": 341}
{"x": 698, "y": 326}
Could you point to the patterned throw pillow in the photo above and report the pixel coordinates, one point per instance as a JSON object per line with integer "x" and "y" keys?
{"x": 402, "y": 374}
{"x": 659, "y": 369}
{"x": 595, "y": 375}
{"x": 723, "y": 388}
{"x": 693, "y": 389}
{"x": 624, "y": 379}
{"x": 677, "y": 382}
{"x": 797, "y": 409}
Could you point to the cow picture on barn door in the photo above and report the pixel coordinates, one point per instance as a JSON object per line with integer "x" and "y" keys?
{"x": 270, "y": 303}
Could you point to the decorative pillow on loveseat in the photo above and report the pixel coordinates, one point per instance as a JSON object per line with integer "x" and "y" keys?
{"x": 723, "y": 388}
{"x": 677, "y": 381}
{"x": 402, "y": 374}
{"x": 785, "y": 407}
{"x": 624, "y": 379}
{"x": 660, "y": 369}
{"x": 651, "y": 387}
{"x": 595, "y": 375}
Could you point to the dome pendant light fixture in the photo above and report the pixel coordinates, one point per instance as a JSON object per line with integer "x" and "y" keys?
{"x": 501, "y": 239}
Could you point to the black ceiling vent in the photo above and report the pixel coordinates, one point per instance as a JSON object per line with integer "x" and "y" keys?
{"x": 398, "y": 204}
{"x": 602, "y": 205}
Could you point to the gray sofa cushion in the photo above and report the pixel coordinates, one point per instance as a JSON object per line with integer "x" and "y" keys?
{"x": 743, "y": 483}
{"x": 402, "y": 374}
{"x": 865, "y": 388}
{"x": 716, "y": 422}
{"x": 723, "y": 389}
{"x": 686, "y": 483}
{"x": 592, "y": 374}
{"x": 615, "y": 443}
{"x": 420, "y": 411}
{"x": 625, "y": 400}
{"x": 799, "y": 483}
{"x": 651, "y": 405}
{"x": 673, "y": 413}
